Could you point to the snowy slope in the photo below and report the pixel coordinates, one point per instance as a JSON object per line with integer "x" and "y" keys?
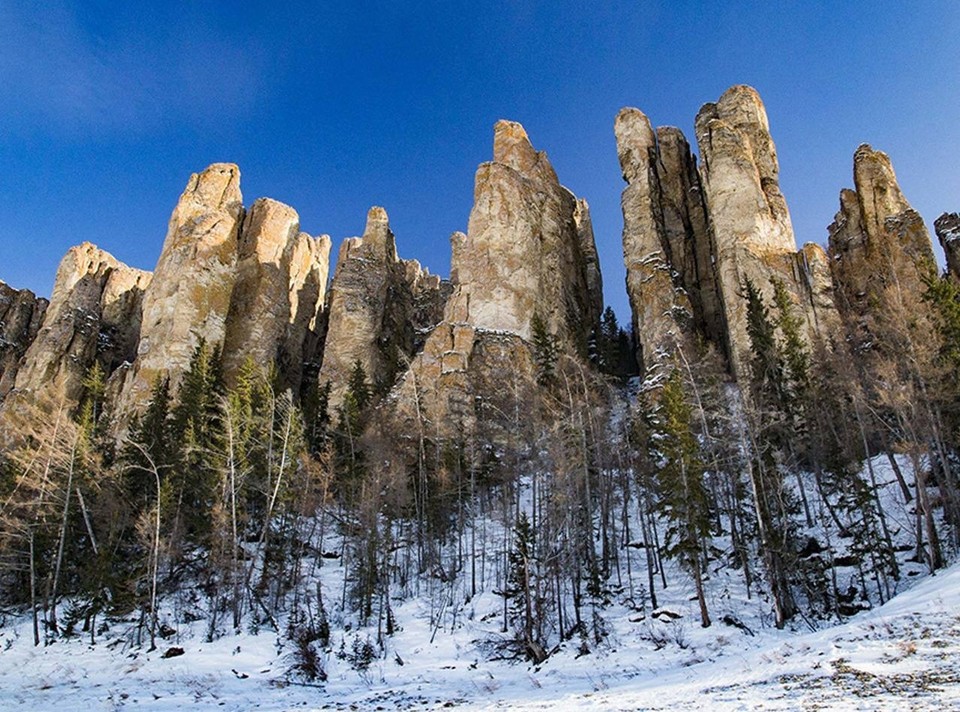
{"x": 903, "y": 655}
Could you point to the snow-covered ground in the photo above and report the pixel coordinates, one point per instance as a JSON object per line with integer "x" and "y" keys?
{"x": 903, "y": 655}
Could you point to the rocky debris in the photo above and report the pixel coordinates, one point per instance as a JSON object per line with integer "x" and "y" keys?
{"x": 94, "y": 315}
{"x": 21, "y": 313}
{"x": 947, "y": 227}
{"x": 750, "y": 223}
{"x": 876, "y": 239}
{"x": 189, "y": 297}
{"x": 528, "y": 250}
{"x": 377, "y": 303}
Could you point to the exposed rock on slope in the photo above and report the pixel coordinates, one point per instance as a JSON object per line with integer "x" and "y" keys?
{"x": 377, "y": 304}
{"x": 529, "y": 250}
{"x": 189, "y": 297}
{"x": 947, "y": 227}
{"x": 21, "y": 313}
{"x": 876, "y": 239}
{"x": 94, "y": 315}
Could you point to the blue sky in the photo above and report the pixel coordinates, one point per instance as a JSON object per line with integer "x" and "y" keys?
{"x": 107, "y": 107}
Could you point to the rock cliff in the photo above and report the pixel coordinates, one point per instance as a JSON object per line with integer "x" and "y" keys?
{"x": 529, "y": 249}
{"x": 94, "y": 315}
{"x": 189, "y": 297}
{"x": 21, "y": 313}
{"x": 947, "y": 227}
{"x": 753, "y": 237}
{"x": 877, "y": 239}
{"x": 277, "y": 294}
{"x": 379, "y": 307}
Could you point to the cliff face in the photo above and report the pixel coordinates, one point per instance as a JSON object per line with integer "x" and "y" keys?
{"x": 377, "y": 305}
{"x": 189, "y": 297}
{"x": 947, "y": 227}
{"x": 21, "y": 313}
{"x": 876, "y": 239}
{"x": 277, "y": 295}
{"x": 693, "y": 238}
{"x": 666, "y": 244}
{"x": 750, "y": 222}
{"x": 529, "y": 250}
{"x": 94, "y": 315}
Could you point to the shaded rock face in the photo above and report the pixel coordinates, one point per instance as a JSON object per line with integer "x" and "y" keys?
{"x": 876, "y": 239}
{"x": 947, "y": 227}
{"x": 667, "y": 248}
{"x": 189, "y": 297}
{"x": 529, "y": 249}
{"x": 379, "y": 307}
{"x": 94, "y": 315}
{"x": 750, "y": 224}
{"x": 21, "y": 313}
{"x": 278, "y": 293}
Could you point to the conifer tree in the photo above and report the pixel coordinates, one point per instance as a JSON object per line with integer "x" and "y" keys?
{"x": 680, "y": 484}
{"x": 545, "y": 351}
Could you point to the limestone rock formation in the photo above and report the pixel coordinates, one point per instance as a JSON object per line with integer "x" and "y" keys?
{"x": 750, "y": 223}
{"x": 876, "y": 239}
{"x": 529, "y": 249}
{"x": 189, "y": 297}
{"x": 94, "y": 315}
{"x": 21, "y": 313}
{"x": 279, "y": 289}
{"x": 377, "y": 303}
{"x": 947, "y": 227}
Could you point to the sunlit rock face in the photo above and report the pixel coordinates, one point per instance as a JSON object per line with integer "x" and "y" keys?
{"x": 750, "y": 225}
{"x": 379, "y": 308}
{"x": 693, "y": 237}
{"x": 93, "y": 316}
{"x": 947, "y": 227}
{"x": 877, "y": 239}
{"x": 21, "y": 313}
{"x": 529, "y": 250}
{"x": 189, "y": 297}
{"x": 278, "y": 294}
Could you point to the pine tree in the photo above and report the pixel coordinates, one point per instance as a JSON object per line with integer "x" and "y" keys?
{"x": 680, "y": 483}
{"x": 545, "y": 351}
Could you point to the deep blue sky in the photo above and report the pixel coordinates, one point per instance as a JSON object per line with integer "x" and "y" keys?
{"x": 107, "y": 107}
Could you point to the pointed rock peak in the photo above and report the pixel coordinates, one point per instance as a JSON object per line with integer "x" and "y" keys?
{"x": 635, "y": 139}
{"x": 741, "y": 108}
{"x": 877, "y": 185}
{"x": 269, "y": 227}
{"x": 377, "y": 234}
{"x": 217, "y": 186}
{"x": 512, "y": 147}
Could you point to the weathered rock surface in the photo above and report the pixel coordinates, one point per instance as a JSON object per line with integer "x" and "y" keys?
{"x": 377, "y": 305}
{"x": 750, "y": 223}
{"x": 94, "y": 315}
{"x": 529, "y": 249}
{"x": 189, "y": 297}
{"x": 876, "y": 239}
{"x": 21, "y": 313}
{"x": 307, "y": 285}
{"x": 278, "y": 293}
{"x": 666, "y": 243}
{"x": 947, "y": 227}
